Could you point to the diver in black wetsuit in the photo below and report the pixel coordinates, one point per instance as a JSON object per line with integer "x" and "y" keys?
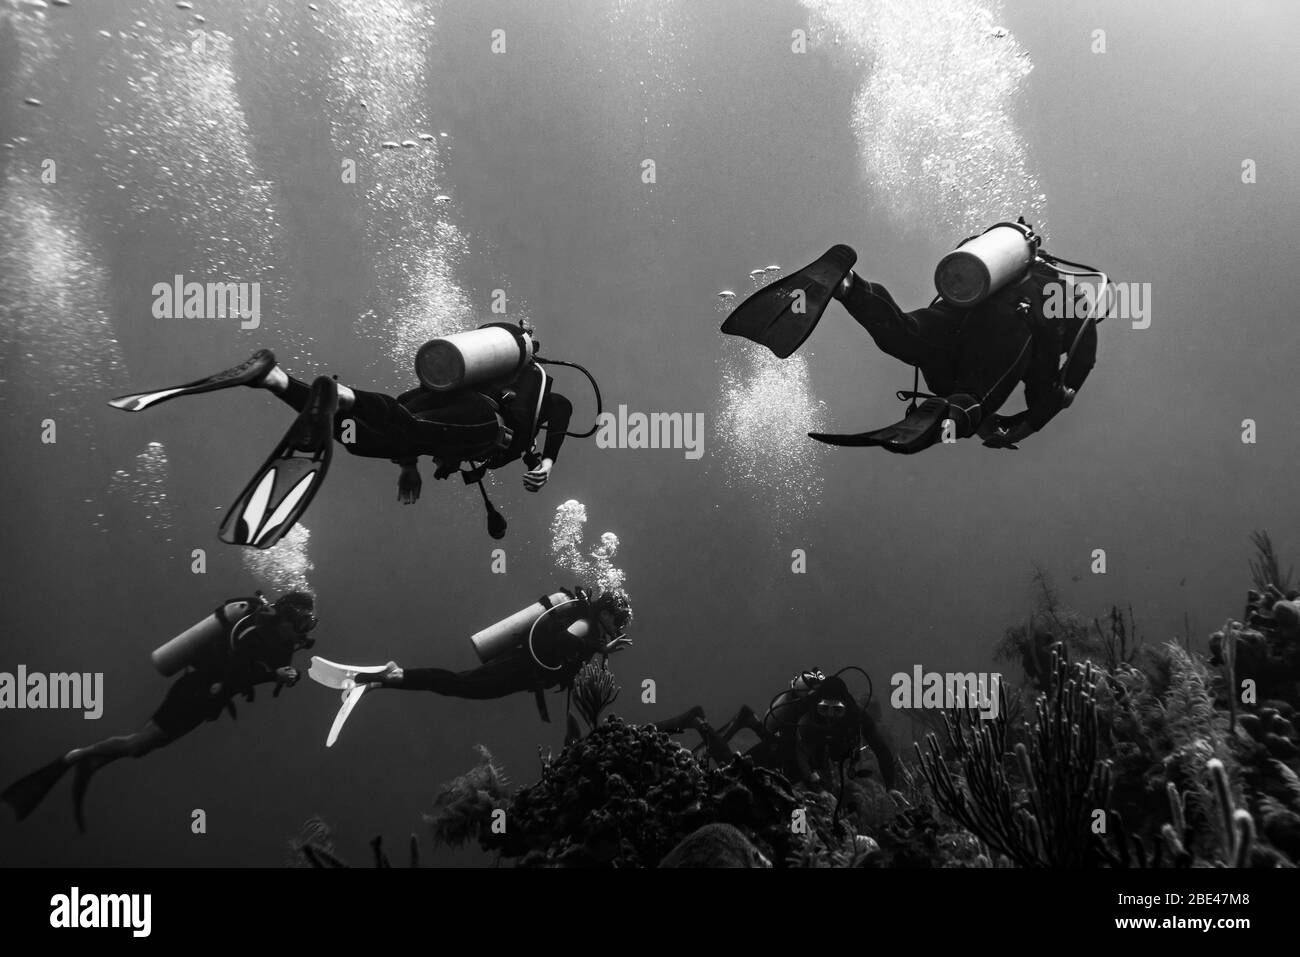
{"x": 496, "y": 425}
{"x": 992, "y": 327}
{"x": 482, "y": 401}
{"x": 549, "y": 658}
{"x": 807, "y": 730}
{"x": 254, "y": 648}
{"x": 973, "y": 358}
{"x": 447, "y": 427}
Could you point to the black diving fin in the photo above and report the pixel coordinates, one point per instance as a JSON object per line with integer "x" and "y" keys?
{"x": 252, "y": 369}
{"x": 25, "y": 794}
{"x": 783, "y": 314}
{"x": 916, "y": 431}
{"x": 284, "y": 486}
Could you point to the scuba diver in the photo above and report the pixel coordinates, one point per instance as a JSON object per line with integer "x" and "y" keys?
{"x": 243, "y": 643}
{"x": 482, "y": 400}
{"x": 987, "y": 331}
{"x": 538, "y": 648}
{"x": 807, "y": 730}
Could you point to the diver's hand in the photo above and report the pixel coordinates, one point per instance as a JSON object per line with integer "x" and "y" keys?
{"x": 617, "y": 644}
{"x": 287, "y": 676}
{"x": 1000, "y": 438}
{"x": 1004, "y": 433}
{"x": 538, "y": 477}
{"x": 409, "y": 484}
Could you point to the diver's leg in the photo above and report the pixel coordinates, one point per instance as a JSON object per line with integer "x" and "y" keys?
{"x": 693, "y": 720}
{"x": 488, "y": 681}
{"x": 88, "y": 760}
{"x": 745, "y": 719}
{"x": 368, "y": 424}
{"x": 135, "y": 745}
{"x": 918, "y": 338}
{"x": 681, "y": 723}
{"x": 295, "y": 393}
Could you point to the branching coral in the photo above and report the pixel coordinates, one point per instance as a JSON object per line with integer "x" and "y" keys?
{"x": 1044, "y": 819}
{"x": 594, "y": 690}
{"x": 1265, "y": 567}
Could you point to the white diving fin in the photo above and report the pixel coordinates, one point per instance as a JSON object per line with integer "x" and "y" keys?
{"x": 331, "y": 674}
{"x": 350, "y": 699}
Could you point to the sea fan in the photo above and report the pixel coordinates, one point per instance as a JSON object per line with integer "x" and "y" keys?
{"x": 463, "y": 808}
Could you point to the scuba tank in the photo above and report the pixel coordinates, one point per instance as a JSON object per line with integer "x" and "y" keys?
{"x": 491, "y": 353}
{"x": 982, "y": 265}
{"x": 205, "y": 637}
{"x": 517, "y": 631}
{"x": 495, "y": 360}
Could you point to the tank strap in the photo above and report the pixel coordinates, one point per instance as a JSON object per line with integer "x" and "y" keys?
{"x": 241, "y": 628}
{"x": 539, "y": 695}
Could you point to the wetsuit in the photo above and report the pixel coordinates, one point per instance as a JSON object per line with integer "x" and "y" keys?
{"x": 516, "y": 671}
{"x": 464, "y": 425}
{"x": 258, "y": 650}
{"x": 975, "y": 357}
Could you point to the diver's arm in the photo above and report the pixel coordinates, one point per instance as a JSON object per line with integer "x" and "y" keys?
{"x": 1050, "y": 389}
{"x": 1084, "y": 358}
{"x": 556, "y": 412}
{"x": 1043, "y": 399}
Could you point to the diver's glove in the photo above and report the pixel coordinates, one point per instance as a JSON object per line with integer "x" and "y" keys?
{"x": 409, "y": 484}
{"x": 1003, "y": 432}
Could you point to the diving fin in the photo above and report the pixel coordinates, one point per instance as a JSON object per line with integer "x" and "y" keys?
{"x": 251, "y": 370}
{"x": 25, "y": 794}
{"x": 350, "y": 698}
{"x": 331, "y": 674}
{"x": 284, "y": 486}
{"x": 496, "y": 522}
{"x": 783, "y": 314}
{"x": 86, "y": 767}
{"x": 916, "y": 431}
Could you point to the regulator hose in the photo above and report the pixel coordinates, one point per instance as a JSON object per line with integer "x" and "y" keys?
{"x": 600, "y": 408}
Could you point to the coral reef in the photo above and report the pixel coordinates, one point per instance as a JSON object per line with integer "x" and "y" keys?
{"x": 625, "y": 795}
{"x": 715, "y": 845}
{"x": 1115, "y": 753}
